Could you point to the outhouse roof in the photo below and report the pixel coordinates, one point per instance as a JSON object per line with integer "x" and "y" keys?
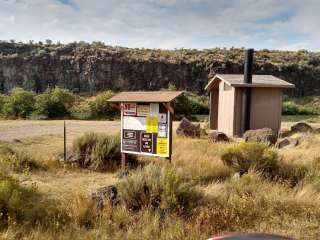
{"x": 146, "y": 96}
{"x": 236, "y": 80}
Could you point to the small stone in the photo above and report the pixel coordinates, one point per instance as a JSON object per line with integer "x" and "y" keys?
{"x": 301, "y": 127}
{"x": 216, "y": 136}
{"x": 285, "y": 132}
{"x": 316, "y": 131}
{"x": 287, "y": 142}
{"x": 103, "y": 194}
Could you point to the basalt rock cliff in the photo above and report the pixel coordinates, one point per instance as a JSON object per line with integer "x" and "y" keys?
{"x": 83, "y": 67}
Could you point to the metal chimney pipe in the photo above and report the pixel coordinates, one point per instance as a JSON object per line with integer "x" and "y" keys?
{"x": 246, "y": 91}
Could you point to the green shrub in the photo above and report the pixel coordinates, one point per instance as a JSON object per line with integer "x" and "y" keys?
{"x": 292, "y": 108}
{"x": 191, "y": 104}
{"x": 157, "y": 188}
{"x": 101, "y": 108}
{"x": 54, "y": 103}
{"x": 245, "y": 156}
{"x": 99, "y": 151}
{"x": 19, "y": 104}
{"x": 3, "y": 99}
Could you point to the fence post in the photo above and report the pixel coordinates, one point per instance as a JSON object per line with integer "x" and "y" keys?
{"x": 64, "y": 142}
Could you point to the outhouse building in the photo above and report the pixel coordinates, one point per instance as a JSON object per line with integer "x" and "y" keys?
{"x": 232, "y": 99}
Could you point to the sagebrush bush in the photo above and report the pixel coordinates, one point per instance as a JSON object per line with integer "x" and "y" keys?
{"x": 101, "y": 108}
{"x": 99, "y": 151}
{"x": 245, "y": 156}
{"x": 21, "y": 204}
{"x": 17, "y": 160}
{"x": 54, "y": 103}
{"x": 156, "y": 188}
{"x": 19, "y": 103}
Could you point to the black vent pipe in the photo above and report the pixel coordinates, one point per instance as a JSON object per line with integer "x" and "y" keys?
{"x": 246, "y": 91}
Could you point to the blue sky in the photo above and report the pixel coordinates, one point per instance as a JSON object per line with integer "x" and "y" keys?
{"x": 272, "y": 24}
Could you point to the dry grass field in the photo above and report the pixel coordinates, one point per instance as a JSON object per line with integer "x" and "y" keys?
{"x": 252, "y": 203}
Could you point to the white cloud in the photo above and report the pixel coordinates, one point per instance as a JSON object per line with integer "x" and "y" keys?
{"x": 165, "y": 23}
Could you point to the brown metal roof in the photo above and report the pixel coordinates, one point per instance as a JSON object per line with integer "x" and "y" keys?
{"x": 146, "y": 96}
{"x": 236, "y": 80}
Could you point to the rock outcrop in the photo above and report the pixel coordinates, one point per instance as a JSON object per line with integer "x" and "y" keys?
{"x": 83, "y": 67}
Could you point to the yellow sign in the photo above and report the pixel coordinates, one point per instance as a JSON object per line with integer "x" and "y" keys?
{"x": 162, "y": 146}
{"x": 152, "y": 124}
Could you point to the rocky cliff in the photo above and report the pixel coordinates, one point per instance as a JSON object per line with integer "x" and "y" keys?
{"x": 84, "y": 67}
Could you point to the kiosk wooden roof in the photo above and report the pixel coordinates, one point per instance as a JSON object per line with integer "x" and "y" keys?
{"x": 146, "y": 97}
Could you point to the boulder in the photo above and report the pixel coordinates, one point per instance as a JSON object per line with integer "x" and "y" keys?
{"x": 103, "y": 194}
{"x": 287, "y": 142}
{"x": 216, "y": 136}
{"x": 285, "y": 132}
{"x": 188, "y": 129}
{"x": 266, "y": 135}
{"x": 301, "y": 127}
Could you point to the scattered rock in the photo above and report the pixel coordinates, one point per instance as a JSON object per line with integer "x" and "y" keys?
{"x": 287, "y": 142}
{"x": 266, "y": 135}
{"x": 316, "y": 131}
{"x": 285, "y": 132}
{"x": 188, "y": 129}
{"x": 216, "y": 136}
{"x": 301, "y": 127}
{"x": 103, "y": 194}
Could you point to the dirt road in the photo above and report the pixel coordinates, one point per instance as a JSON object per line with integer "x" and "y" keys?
{"x": 19, "y": 129}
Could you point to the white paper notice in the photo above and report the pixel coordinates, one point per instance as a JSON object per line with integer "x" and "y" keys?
{"x": 134, "y": 123}
{"x": 154, "y": 109}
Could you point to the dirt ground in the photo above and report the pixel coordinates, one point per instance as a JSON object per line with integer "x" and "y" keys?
{"x": 11, "y": 130}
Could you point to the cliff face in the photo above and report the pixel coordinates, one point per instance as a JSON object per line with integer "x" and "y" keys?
{"x": 90, "y": 68}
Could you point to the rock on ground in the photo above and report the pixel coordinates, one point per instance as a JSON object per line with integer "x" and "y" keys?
{"x": 103, "y": 194}
{"x": 216, "y": 136}
{"x": 301, "y": 127}
{"x": 285, "y": 132}
{"x": 188, "y": 129}
{"x": 266, "y": 135}
{"x": 287, "y": 142}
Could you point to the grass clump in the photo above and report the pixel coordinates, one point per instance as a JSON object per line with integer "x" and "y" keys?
{"x": 157, "y": 188}
{"x": 99, "y": 151}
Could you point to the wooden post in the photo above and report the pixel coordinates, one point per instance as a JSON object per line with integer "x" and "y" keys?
{"x": 170, "y": 136}
{"x": 123, "y": 161}
{"x": 64, "y": 142}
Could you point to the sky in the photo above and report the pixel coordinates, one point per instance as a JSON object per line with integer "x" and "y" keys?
{"x": 166, "y": 24}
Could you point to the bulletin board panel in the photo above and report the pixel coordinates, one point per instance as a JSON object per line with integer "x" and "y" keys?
{"x": 145, "y": 129}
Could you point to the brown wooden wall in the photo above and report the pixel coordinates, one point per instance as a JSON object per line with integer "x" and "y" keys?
{"x": 266, "y": 108}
